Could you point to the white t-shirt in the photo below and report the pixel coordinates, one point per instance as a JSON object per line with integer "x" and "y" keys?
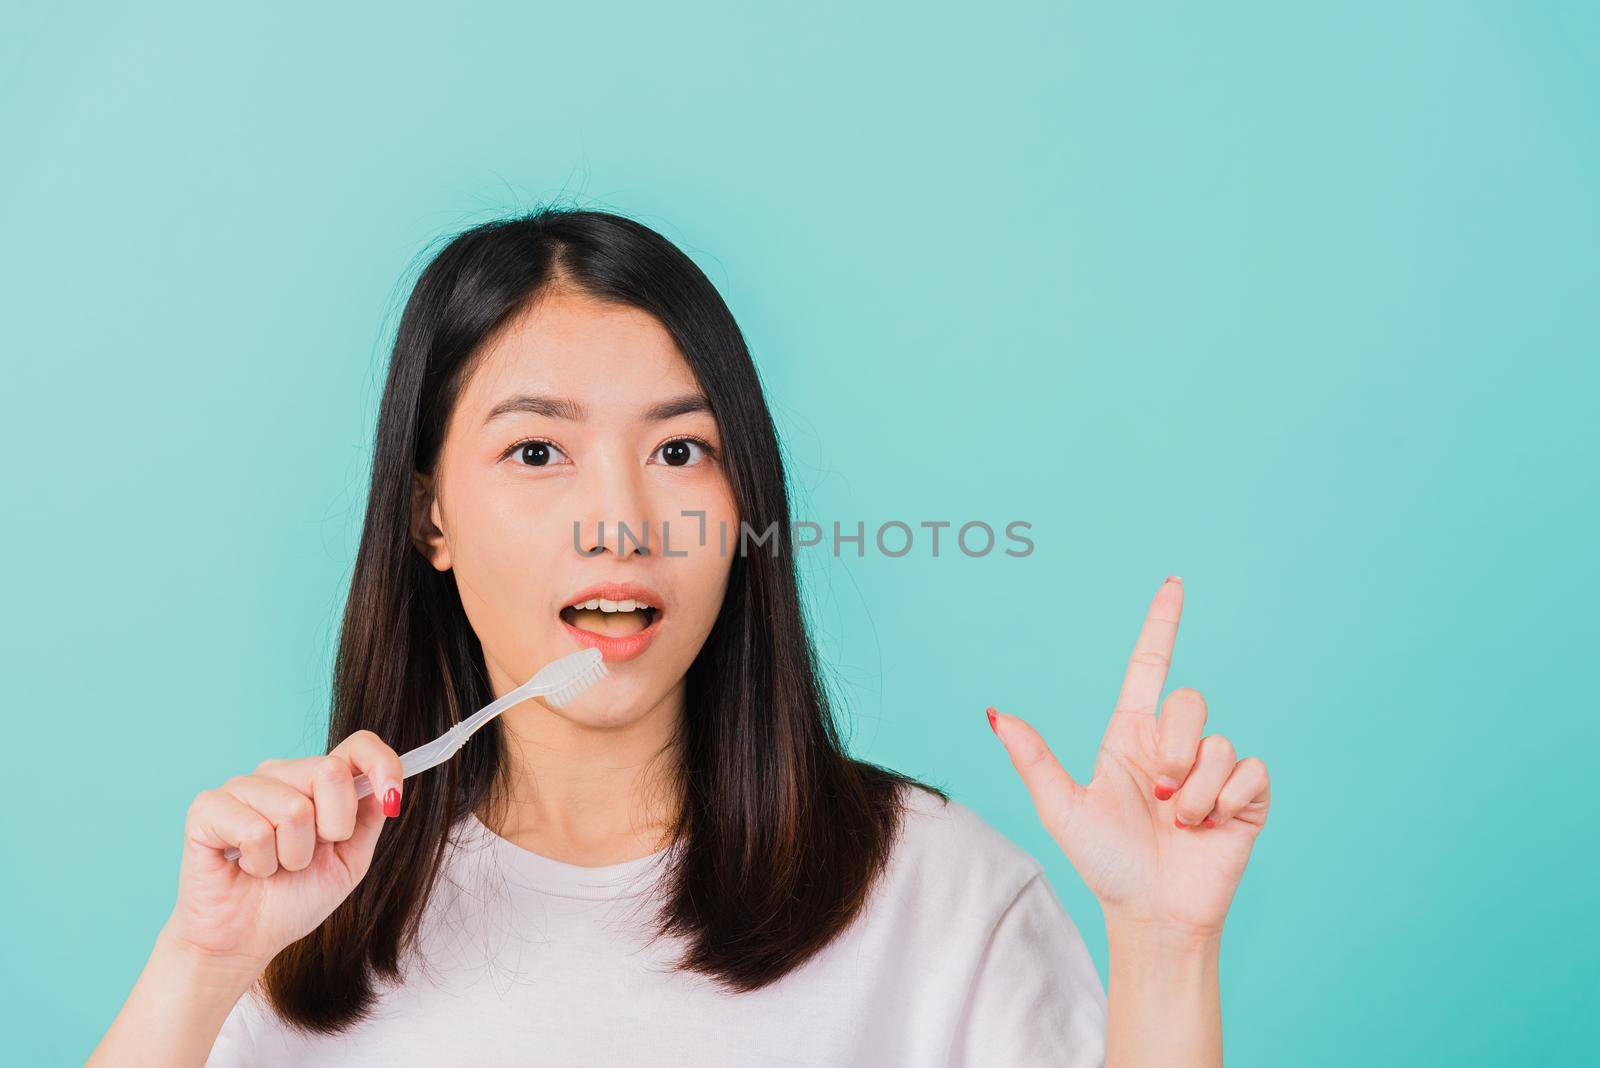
{"x": 962, "y": 956}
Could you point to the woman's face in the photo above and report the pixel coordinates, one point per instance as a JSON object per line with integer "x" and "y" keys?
{"x": 579, "y": 413}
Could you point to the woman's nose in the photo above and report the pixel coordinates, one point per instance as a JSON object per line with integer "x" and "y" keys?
{"x": 616, "y": 515}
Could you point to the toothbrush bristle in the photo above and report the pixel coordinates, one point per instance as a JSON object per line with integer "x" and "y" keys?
{"x": 585, "y": 679}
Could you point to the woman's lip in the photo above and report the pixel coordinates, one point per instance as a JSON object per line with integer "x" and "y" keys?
{"x": 613, "y": 647}
{"x": 617, "y": 591}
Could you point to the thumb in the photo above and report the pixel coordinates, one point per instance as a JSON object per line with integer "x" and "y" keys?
{"x": 1052, "y": 788}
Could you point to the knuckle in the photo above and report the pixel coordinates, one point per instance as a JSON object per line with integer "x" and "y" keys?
{"x": 1188, "y": 695}
{"x": 238, "y": 782}
{"x": 1151, "y": 658}
{"x": 1040, "y": 756}
{"x": 1255, "y": 766}
{"x": 331, "y": 769}
{"x": 1219, "y": 747}
{"x": 300, "y": 810}
{"x": 267, "y": 766}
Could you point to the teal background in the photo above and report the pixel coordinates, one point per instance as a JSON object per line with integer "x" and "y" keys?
{"x": 1296, "y": 301}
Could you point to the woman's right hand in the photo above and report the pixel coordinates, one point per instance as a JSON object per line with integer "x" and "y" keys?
{"x": 305, "y": 841}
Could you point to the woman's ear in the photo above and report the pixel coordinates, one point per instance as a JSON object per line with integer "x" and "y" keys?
{"x": 427, "y": 533}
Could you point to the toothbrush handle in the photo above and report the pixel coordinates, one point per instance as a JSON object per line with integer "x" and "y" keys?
{"x": 420, "y": 759}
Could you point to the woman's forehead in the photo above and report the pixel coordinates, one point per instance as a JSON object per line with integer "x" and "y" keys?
{"x": 606, "y": 356}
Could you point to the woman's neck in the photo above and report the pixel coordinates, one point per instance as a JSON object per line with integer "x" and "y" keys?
{"x": 589, "y": 794}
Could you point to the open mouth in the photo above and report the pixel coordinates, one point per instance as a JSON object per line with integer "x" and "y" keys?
{"x": 610, "y": 619}
{"x": 619, "y": 619}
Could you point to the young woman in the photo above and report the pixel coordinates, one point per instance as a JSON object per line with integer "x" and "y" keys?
{"x": 682, "y": 866}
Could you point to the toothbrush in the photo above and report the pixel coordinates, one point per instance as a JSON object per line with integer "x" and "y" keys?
{"x": 558, "y": 682}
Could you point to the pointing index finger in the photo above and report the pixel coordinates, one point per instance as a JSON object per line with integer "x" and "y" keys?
{"x": 1152, "y": 653}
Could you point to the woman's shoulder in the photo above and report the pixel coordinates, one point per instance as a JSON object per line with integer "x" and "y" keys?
{"x": 946, "y": 848}
{"x": 981, "y": 910}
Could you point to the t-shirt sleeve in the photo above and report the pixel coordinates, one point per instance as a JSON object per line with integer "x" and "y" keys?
{"x": 235, "y": 1044}
{"x": 1036, "y": 998}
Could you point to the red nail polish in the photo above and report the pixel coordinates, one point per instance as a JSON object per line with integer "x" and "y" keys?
{"x": 1175, "y": 578}
{"x": 391, "y": 802}
{"x": 1208, "y": 822}
{"x": 992, "y": 726}
{"x": 1163, "y": 794}
{"x": 1176, "y": 822}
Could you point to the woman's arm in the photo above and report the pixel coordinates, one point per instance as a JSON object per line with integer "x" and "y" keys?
{"x": 1163, "y": 1002}
{"x": 305, "y": 841}
{"x": 1161, "y": 834}
{"x": 177, "y": 1007}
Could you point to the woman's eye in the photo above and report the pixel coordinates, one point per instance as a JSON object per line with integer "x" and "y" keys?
{"x": 537, "y": 453}
{"x": 680, "y": 452}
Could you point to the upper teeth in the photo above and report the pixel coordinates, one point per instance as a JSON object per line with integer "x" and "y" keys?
{"x": 611, "y": 606}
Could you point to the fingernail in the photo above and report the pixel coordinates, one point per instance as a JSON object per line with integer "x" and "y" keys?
{"x": 992, "y": 725}
{"x": 1166, "y": 786}
{"x": 1208, "y": 822}
{"x": 1178, "y": 822}
{"x": 391, "y": 802}
{"x": 1175, "y": 578}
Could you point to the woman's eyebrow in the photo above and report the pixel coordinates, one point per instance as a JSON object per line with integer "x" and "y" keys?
{"x": 567, "y": 408}
{"x": 687, "y": 404}
{"x": 537, "y": 404}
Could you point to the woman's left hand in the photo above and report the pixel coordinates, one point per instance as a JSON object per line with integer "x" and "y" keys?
{"x": 1163, "y": 830}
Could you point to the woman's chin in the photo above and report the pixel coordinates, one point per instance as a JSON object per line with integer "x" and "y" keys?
{"x": 604, "y": 713}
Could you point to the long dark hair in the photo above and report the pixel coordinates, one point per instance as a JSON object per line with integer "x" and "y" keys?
{"x": 780, "y": 835}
